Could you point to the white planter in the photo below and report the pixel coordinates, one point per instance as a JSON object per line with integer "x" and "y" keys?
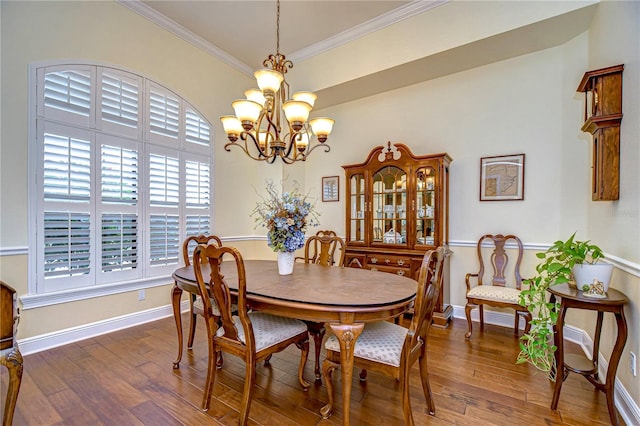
{"x": 285, "y": 262}
{"x": 585, "y": 274}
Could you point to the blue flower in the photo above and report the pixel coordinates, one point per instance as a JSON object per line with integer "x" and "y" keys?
{"x": 286, "y": 218}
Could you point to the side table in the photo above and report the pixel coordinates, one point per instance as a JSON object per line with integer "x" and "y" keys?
{"x": 614, "y": 303}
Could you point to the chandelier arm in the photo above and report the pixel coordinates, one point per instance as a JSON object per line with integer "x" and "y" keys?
{"x": 327, "y": 148}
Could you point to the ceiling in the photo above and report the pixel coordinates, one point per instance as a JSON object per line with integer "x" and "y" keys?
{"x": 247, "y": 29}
{"x": 242, "y": 33}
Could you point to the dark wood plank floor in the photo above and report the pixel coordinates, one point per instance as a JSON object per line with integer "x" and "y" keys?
{"x": 126, "y": 378}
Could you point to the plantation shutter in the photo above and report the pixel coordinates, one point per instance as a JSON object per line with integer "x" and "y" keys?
{"x": 66, "y": 244}
{"x": 68, "y": 91}
{"x": 67, "y": 167}
{"x": 119, "y": 170}
{"x": 164, "y": 239}
{"x": 197, "y": 225}
{"x": 197, "y": 130}
{"x": 164, "y": 180}
{"x": 163, "y": 114}
{"x": 119, "y": 242}
{"x": 120, "y": 99}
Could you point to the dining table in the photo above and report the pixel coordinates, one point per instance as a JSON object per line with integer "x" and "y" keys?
{"x": 344, "y": 298}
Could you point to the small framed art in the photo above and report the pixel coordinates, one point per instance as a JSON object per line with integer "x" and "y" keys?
{"x": 502, "y": 178}
{"x": 330, "y": 188}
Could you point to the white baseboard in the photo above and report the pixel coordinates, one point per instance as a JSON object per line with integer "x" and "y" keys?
{"x": 627, "y": 407}
{"x": 63, "y": 337}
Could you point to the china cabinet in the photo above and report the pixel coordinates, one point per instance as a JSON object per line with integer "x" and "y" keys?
{"x": 396, "y": 209}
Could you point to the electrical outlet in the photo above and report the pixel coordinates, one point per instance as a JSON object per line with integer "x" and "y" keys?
{"x": 632, "y": 356}
{"x": 141, "y": 294}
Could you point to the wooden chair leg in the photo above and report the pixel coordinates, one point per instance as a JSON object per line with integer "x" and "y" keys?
{"x": 249, "y": 381}
{"x": 406, "y": 397}
{"x": 304, "y": 347}
{"x": 424, "y": 376}
{"x": 327, "y": 369}
{"x": 467, "y": 312}
{"x": 211, "y": 377}
{"x": 363, "y": 375}
{"x": 193, "y": 320}
{"x": 481, "y": 310}
{"x": 317, "y": 331}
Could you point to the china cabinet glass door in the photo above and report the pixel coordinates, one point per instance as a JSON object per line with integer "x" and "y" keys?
{"x": 357, "y": 207}
{"x": 389, "y": 208}
{"x": 426, "y": 205}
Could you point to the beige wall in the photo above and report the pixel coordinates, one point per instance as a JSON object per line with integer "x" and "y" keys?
{"x": 525, "y": 105}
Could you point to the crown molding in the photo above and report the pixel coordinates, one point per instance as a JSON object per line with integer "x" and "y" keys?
{"x": 394, "y": 16}
{"x": 376, "y": 24}
{"x": 156, "y": 17}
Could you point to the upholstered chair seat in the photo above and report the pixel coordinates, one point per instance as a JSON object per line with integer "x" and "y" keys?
{"x": 269, "y": 330}
{"x": 379, "y": 342}
{"x": 198, "y": 307}
{"x": 495, "y": 293}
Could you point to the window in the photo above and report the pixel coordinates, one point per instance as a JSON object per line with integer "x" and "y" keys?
{"x": 123, "y": 174}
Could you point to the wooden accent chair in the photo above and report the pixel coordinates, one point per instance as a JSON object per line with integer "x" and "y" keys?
{"x": 252, "y": 336}
{"x": 493, "y": 290}
{"x": 321, "y": 249}
{"x": 391, "y": 349}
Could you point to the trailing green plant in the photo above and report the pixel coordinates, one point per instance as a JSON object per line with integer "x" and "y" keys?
{"x": 536, "y": 346}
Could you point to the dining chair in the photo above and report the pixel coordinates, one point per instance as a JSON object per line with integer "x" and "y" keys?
{"x": 327, "y": 249}
{"x": 392, "y": 349}
{"x": 250, "y": 335}
{"x": 497, "y": 283}
{"x": 195, "y": 302}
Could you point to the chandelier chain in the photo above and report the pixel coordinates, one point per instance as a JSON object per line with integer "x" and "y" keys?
{"x": 278, "y": 27}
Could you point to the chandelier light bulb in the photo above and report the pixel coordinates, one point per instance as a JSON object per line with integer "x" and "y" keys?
{"x": 322, "y": 127}
{"x": 308, "y": 97}
{"x": 268, "y": 80}
{"x": 247, "y": 112}
{"x": 296, "y": 112}
{"x": 232, "y": 126}
{"x": 256, "y": 96}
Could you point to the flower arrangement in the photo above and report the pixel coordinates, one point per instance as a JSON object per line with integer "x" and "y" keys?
{"x": 286, "y": 217}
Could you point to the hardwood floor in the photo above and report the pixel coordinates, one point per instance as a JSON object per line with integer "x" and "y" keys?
{"x": 126, "y": 378}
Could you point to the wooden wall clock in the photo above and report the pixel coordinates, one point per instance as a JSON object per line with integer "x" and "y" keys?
{"x": 603, "y": 115}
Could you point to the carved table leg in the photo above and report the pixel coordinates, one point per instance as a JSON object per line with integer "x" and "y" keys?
{"x": 559, "y": 356}
{"x": 13, "y": 362}
{"x": 176, "y": 295}
{"x": 347, "y": 335}
{"x": 616, "y": 353}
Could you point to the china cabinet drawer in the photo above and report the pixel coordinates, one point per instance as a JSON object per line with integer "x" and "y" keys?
{"x": 406, "y": 272}
{"x": 381, "y": 259}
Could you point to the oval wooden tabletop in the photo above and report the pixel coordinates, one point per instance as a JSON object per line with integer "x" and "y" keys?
{"x": 316, "y": 284}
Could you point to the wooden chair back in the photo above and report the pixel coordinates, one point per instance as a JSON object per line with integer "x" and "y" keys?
{"x": 200, "y": 240}
{"x": 429, "y": 286}
{"x": 324, "y": 250}
{"x": 498, "y": 260}
{"x": 216, "y": 288}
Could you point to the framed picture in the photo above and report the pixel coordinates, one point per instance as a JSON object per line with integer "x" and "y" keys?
{"x": 502, "y": 178}
{"x": 330, "y": 188}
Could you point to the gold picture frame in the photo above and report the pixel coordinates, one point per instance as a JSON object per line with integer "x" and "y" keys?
{"x": 330, "y": 188}
{"x": 502, "y": 178}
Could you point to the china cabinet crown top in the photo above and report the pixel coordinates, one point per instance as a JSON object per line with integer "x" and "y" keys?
{"x": 396, "y": 152}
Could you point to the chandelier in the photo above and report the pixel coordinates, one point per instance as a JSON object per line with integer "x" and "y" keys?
{"x": 269, "y": 124}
